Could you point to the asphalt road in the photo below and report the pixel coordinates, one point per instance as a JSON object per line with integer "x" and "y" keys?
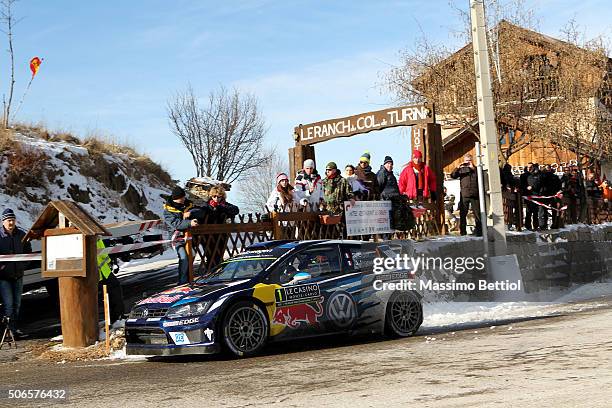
{"x": 560, "y": 361}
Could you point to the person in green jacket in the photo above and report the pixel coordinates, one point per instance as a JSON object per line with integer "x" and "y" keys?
{"x": 336, "y": 189}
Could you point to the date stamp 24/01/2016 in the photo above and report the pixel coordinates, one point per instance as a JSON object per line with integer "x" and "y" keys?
{"x": 32, "y": 394}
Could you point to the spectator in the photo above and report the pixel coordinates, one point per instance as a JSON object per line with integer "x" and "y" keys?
{"x": 308, "y": 183}
{"x": 11, "y": 273}
{"x": 359, "y": 190}
{"x": 532, "y": 188}
{"x": 523, "y": 178}
{"x": 284, "y": 197}
{"x": 367, "y": 177}
{"x": 216, "y": 211}
{"x": 387, "y": 182}
{"x": 336, "y": 190}
{"x": 570, "y": 197}
{"x": 417, "y": 181}
{"x": 550, "y": 185}
{"x": 592, "y": 186}
{"x": 468, "y": 179}
{"x": 177, "y": 214}
{"x": 509, "y": 189}
{"x": 606, "y": 192}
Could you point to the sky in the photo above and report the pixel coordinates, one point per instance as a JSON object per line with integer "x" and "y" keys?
{"x": 111, "y": 66}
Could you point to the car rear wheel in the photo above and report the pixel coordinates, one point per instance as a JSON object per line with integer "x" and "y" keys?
{"x": 245, "y": 329}
{"x": 404, "y": 314}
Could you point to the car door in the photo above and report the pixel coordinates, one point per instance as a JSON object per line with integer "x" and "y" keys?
{"x": 300, "y": 306}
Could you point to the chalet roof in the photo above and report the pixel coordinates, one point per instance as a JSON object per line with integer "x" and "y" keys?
{"x": 78, "y": 217}
{"x": 459, "y": 133}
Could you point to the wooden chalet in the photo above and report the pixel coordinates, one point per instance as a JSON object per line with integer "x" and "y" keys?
{"x": 533, "y": 68}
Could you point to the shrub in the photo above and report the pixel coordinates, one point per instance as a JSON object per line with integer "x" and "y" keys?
{"x": 26, "y": 169}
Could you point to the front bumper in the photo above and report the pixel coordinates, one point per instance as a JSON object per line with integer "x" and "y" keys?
{"x": 160, "y": 337}
{"x": 172, "y": 350}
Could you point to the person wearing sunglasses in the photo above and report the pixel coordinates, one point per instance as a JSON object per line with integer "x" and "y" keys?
{"x": 366, "y": 176}
{"x": 217, "y": 211}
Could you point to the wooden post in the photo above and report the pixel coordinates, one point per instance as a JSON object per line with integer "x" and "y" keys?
{"x": 297, "y": 155}
{"x": 79, "y": 301}
{"x": 277, "y": 232}
{"x": 188, "y": 249}
{"x": 106, "y": 318}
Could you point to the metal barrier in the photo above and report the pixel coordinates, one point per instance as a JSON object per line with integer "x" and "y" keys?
{"x": 597, "y": 210}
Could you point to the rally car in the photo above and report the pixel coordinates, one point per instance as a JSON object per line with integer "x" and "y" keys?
{"x": 276, "y": 291}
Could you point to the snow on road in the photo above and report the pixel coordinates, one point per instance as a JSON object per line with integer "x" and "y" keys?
{"x": 458, "y": 314}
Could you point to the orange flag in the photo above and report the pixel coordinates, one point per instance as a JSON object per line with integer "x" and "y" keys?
{"x": 34, "y": 64}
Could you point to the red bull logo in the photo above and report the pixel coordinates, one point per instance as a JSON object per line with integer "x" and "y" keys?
{"x": 293, "y": 315}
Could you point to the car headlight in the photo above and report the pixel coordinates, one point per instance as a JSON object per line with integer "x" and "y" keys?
{"x": 190, "y": 309}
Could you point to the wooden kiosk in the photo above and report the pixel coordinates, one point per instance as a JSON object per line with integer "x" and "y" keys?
{"x": 69, "y": 253}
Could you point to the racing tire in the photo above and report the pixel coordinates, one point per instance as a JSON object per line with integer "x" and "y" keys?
{"x": 245, "y": 329}
{"x": 404, "y": 314}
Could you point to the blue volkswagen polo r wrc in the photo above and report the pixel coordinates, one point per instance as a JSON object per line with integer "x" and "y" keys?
{"x": 276, "y": 291}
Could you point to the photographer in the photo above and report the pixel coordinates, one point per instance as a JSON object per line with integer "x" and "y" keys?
{"x": 177, "y": 213}
{"x": 468, "y": 177}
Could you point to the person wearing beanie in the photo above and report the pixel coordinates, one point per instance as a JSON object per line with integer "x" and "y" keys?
{"x": 364, "y": 173}
{"x": 284, "y": 197}
{"x": 336, "y": 189}
{"x": 308, "y": 183}
{"x": 177, "y": 214}
{"x": 417, "y": 181}
{"x": 387, "y": 181}
{"x": 11, "y": 273}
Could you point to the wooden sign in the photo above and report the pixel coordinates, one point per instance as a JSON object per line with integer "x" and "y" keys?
{"x": 418, "y": 140}
{"x": 63, "y": 256}
{"x": 362, "y": 123}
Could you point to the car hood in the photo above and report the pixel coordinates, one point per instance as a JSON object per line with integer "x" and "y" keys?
{"x": 187, "y": 294}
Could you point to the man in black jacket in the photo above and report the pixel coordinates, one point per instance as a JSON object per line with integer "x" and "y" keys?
{"x": 177, "y": 214}
{"x": 387, "y": 182}
{"x": 468, "y": 177}
{"x": 550, "y": 185}
{"x": 11, "y": 273}
{"x": 532, "y": 187}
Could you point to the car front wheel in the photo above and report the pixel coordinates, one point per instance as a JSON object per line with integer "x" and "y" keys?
{"x": 245, "y": 329}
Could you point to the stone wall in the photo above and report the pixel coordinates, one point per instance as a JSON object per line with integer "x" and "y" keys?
{"x": 574, "y": 255}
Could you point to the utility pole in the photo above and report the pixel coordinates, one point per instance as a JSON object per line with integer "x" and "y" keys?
{"x": 488, "y": 127}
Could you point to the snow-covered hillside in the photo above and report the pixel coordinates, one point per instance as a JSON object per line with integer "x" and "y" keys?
{"x": 111, "y": 186}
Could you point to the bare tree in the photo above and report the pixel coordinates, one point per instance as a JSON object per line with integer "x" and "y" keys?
{"x": 6, "y": 16}
{"x": 225, "y": 137}
{"x": 256, "y": 188}
{"x": 583, "y": 120}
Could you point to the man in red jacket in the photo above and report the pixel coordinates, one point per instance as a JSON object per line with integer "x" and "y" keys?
{"x": 417, "y": 180}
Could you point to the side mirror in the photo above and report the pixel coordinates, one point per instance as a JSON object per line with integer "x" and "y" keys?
{"x": 300, "y": 276}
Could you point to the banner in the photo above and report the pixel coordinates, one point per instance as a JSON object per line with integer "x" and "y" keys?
{"x": 368, "y": 217}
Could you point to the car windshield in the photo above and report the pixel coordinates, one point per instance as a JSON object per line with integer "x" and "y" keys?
{"x": 234, "y": 269}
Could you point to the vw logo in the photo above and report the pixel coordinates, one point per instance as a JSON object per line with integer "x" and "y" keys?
{"x": 341, "y": 310}
{"x": 145, "y": 312}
